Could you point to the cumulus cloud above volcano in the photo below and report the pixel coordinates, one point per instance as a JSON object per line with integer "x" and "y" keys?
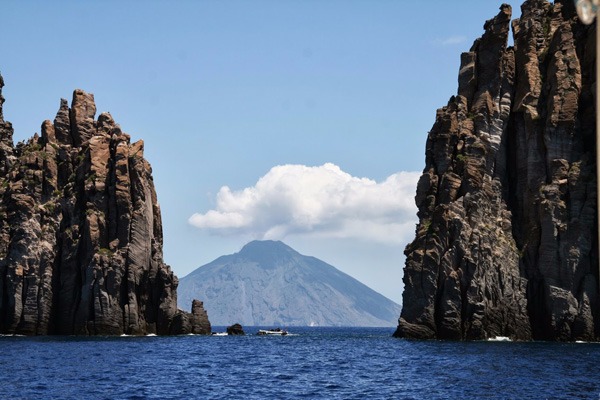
{"x": 318, "y": 201}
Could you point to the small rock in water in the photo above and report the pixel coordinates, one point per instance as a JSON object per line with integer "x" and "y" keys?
{"x": 235, "y": 329}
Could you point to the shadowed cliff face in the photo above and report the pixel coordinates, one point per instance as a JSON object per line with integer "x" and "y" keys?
{"x": 506, "y": 240}
{"x": 81, "y": 234}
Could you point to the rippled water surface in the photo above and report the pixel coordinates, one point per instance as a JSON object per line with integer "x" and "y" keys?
{"x": 345, "y": 363}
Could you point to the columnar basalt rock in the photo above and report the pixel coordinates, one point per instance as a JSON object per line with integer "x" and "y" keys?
{"x": 81, "y": 232}
{"x": 506, "y": 240}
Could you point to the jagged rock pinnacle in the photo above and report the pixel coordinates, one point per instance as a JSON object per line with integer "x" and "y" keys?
{"x": 507, "y": 200}
{"x": 81, "y": 235}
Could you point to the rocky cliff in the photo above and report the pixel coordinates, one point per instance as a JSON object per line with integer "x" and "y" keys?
{"x": 506, "y": 243}
{"x": 80, "y": 232}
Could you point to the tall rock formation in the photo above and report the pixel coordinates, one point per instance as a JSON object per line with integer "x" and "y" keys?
{"x": 506, "y": 243}
{"x": 81, "y": 234}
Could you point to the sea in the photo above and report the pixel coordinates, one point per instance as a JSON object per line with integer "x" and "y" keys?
{"x": 309, "y": 363}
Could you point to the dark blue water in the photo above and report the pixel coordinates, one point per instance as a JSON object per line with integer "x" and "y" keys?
{"x": 327, "y": 363}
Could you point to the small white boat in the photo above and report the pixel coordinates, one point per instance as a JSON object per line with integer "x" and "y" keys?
{"x": 272, "y": 332}
{"x": 500, "y": 339}
{"x": 220, "y": 334}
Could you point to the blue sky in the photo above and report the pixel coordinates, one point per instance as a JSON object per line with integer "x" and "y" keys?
{"x": 340, "y": 94}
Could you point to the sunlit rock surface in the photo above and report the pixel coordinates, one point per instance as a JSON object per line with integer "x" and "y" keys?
{"x": 81, "y": 233}
{"x": 506, "y": 243}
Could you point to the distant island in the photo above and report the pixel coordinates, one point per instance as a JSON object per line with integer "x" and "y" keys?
{"x": 267, "y": 283}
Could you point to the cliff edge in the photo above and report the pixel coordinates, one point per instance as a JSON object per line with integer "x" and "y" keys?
{"x": 81, "y": 233}
{"x": 506, "y": 243}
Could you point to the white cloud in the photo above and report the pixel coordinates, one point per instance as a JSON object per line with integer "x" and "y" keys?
{"x": 452, "y": 40}
{"x": 321, "y": 201}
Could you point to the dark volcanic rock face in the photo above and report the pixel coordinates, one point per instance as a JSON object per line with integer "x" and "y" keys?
{"x": 506, "y": 241}
{"x": 81, "y": 234}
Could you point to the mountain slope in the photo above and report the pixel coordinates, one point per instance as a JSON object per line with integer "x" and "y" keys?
{"x": 269, "y": 283}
